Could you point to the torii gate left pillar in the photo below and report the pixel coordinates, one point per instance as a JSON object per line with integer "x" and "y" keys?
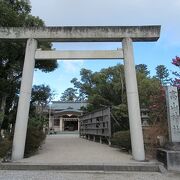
{"x": 24, "y": 101}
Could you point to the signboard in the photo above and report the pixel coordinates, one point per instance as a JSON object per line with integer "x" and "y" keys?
{"x": 173, "y": 113}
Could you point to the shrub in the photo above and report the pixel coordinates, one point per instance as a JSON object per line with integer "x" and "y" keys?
{"x": 34, "y": 139}
{"x": 122, "y": 139}
{"x": 5, "y": 147}
{"x": 151, "y": 138}
{"x": 35, "y": 135}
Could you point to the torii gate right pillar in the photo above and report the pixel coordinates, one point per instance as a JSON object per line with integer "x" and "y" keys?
{"x": 137, "y": 142}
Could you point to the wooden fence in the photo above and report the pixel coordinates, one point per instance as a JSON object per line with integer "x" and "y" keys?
{"x": 96, "y": 125}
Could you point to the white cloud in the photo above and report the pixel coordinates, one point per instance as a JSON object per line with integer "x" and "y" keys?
{"x": 115, "y": 12}
{"x": 72, "y": 66}
{"x": 112, "y": 12}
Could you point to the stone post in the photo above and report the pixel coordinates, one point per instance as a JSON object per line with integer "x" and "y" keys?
{"x": 137, "y": 142}
{"x": 50, "y": 123}
{"x": 24, "y": 101}
{"x": 61, "y": 124}
{"x": 100, "y": 140}
{"x": 78, "y": 125}
{"x": 94, "y": 138}
{"x": 50, "y": 118}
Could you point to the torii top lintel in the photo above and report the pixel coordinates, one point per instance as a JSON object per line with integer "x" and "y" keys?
{"x": 82, "y": 33}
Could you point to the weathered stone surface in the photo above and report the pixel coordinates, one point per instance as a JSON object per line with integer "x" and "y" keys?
{"x": 137, "y": 142}
{"x": 24, "y": 99}
{"x": 171, "y": 159}
{"x": 172, "y": 146}
{"x": 83, "y": 33}
{"x": 173, "y": 114}
{"x": 67, "y": 55}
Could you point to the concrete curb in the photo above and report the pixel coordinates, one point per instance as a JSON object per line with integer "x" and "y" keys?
{"x": 79, "y": 167}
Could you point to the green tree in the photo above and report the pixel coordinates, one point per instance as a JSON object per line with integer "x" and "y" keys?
{"x": 40, "y": 98}
{"x": 107, "y": 88}
{"x": 16, "y": 13}
{"x": 147, "y": 86}
{"x": 102, "y": 88}
{"x": 81, "y": 93}
{"x": 142, "y": 68}
{"x": 69, "y": 94}
{"x": 162, "y": 74}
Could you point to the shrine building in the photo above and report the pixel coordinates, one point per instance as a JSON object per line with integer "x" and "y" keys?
{"x": 64, "y": 116}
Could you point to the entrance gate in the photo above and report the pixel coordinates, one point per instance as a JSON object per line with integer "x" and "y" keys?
{"x": 125, "y": 34}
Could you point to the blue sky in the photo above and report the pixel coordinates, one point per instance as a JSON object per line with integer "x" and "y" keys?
{"x": 111, "y": 13}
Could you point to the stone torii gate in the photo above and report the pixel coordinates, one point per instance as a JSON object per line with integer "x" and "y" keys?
{"x": 125, "y": 34}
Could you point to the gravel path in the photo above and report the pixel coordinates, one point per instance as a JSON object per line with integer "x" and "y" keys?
{"x": 70, "y": 149}
{"x": 56, "y": 175}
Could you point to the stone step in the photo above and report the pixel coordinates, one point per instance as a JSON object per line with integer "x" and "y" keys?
{"x": 156, "y": 167}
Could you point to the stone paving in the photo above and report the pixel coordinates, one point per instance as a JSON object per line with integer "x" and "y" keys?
{"x": 70, "y": 149}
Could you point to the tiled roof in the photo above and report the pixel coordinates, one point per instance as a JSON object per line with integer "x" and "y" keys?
{"x": 59, "y": 105}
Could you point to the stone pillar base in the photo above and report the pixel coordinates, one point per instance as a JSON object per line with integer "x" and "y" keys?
{"x": 170, "y": 158}
{"x": 174, "y": 146}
